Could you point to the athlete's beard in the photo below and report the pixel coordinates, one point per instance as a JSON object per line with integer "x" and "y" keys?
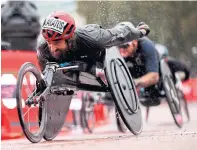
{"x": 60, "y": 54}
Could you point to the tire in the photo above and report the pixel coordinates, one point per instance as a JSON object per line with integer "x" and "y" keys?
{"x": 33, "y": 137}
{"x": 184, "y": 104}
{"x": 147, "y": 113}
{"x": 119, "y": 122}
{"x": 86, "y": 116}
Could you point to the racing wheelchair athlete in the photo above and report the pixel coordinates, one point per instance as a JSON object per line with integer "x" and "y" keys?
{"x": 154, "y": 75}
{"x": 142, "y": 59}
{"x": 68, "y": 58}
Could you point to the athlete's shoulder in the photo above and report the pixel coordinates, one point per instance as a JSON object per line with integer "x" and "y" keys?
{"x": 42, "y": 44}
{"x": 89, "y": 29}
{"x": 145, "y": 40}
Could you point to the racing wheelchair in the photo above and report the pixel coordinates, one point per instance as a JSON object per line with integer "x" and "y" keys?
{"x": 170, "y": 89}
{"x": 54, "y": 88}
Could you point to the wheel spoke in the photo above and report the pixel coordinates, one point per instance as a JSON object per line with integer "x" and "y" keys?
{"x": 28, "y": 121}
{"x": 27, "y": 111}
{"x": 39, "y": 121}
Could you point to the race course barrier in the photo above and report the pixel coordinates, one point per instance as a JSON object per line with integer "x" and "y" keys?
{"x": 10, "y": 124}
{"x": 190, "y": 89}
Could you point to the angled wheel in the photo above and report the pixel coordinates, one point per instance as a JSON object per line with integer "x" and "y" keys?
{"x": 123, "y": 90}
{"x": 87, "y": 116}
{"x": 57, "y": 110}
{"x": 147, "y": 113}
{"x": 171, "y": 94}
{"x": 29, "y": 79}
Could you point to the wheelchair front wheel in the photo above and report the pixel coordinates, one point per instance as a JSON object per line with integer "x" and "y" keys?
{"x": 29, "y": 78}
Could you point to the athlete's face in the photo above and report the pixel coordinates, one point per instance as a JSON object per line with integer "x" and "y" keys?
{"x": 58, "y": 48}
{"x": 129, "y": 49}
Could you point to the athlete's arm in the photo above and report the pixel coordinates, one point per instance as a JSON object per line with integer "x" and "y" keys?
{"x": 151, "y": 64}
{"x": 95, "y": 36}
{"x": 147, "y": 80}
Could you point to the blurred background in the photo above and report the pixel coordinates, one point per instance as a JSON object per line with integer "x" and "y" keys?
{"x": 172, "y": 23}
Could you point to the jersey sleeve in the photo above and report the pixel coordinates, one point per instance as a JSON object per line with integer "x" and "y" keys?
{"x": 105, "y": 38}
{"x": 151, "y": 56}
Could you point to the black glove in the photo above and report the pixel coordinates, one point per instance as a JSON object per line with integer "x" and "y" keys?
{"x": 144, "y": 28}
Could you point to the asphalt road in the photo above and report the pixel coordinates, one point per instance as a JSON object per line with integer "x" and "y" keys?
{"x": 160, "y": 132}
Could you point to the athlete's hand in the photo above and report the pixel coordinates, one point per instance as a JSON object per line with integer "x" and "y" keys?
{"x": 137, "y": 83}
{"x": 144, "y": 28}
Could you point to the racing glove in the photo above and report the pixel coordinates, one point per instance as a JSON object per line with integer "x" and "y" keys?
{"x": 144, "y": 28}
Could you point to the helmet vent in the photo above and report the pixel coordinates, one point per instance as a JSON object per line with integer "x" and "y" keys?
{"x": 70, "y": 30}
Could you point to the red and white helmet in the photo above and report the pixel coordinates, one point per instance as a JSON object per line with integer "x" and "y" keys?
{"x": 58, "y": 25}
